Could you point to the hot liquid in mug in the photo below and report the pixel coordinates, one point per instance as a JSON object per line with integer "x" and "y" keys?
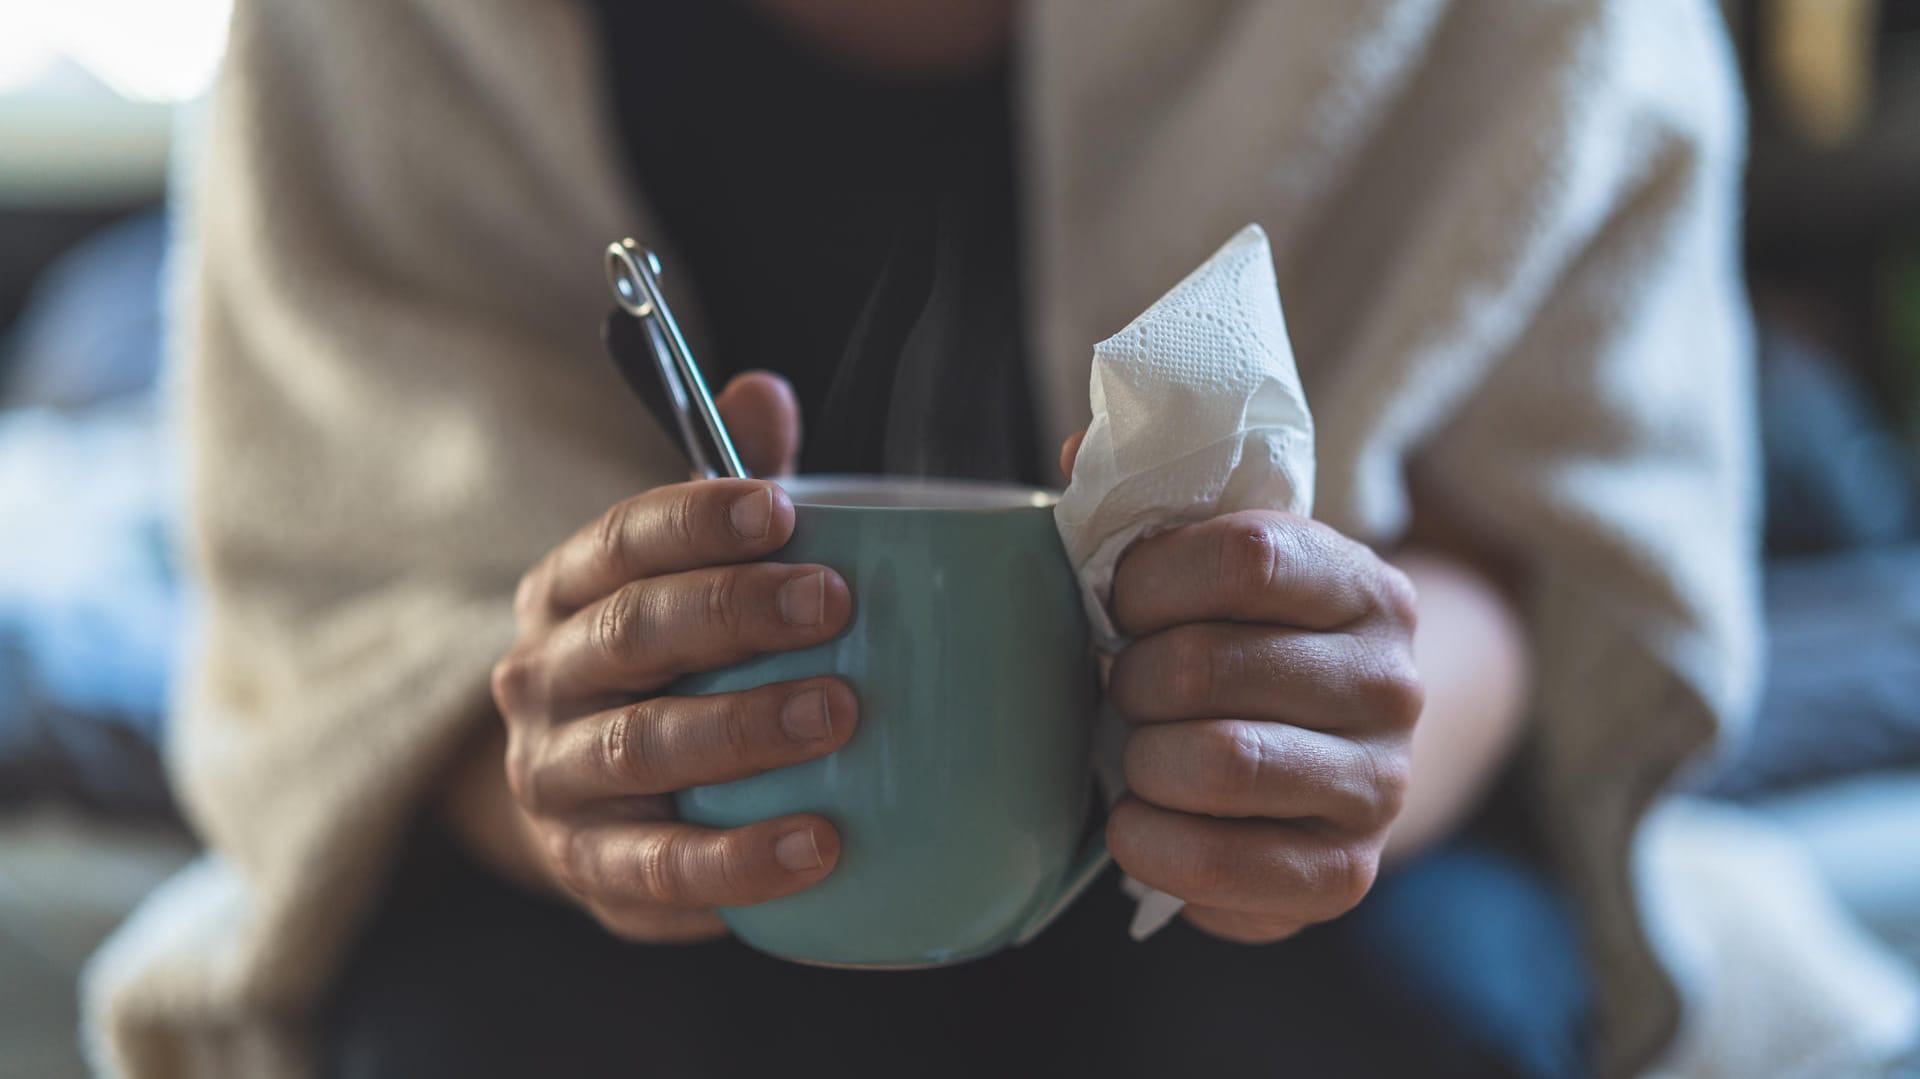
{"x": 962, "y": 799}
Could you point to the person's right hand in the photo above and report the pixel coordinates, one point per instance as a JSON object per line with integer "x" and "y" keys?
{"x": 662, "y": 585}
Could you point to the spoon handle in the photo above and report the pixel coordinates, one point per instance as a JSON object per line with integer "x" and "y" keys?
{"x": 632, "y": 274}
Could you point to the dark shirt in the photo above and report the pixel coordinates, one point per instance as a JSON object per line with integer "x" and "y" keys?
{"x": 854, "y": 233}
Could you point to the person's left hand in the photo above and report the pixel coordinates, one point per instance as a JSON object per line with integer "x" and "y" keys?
{"x": 1272, "y": 693}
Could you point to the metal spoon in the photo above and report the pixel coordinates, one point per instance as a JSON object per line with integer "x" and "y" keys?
{"x": 633, "y": 274}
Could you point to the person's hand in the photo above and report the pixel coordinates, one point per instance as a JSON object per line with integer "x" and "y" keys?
{"x": 1272, "y": 693}
{"x": 665, "y": 584}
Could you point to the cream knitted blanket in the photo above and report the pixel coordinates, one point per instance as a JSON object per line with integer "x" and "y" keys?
{"x": 1504, "y": 231}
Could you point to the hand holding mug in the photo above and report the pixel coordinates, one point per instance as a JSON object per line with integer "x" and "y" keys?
{"x": 1272, "y": 693}
{"x": 666, "y": 584}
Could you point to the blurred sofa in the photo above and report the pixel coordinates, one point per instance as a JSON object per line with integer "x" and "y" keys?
{"x": 90, "y": 612}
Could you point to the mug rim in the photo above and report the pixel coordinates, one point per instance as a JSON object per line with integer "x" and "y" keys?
{"x": 929, "y": 493}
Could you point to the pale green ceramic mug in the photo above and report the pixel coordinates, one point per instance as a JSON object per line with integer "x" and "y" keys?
{"x": 962, "y": 799}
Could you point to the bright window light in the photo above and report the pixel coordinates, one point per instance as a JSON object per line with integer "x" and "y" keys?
{"x": 24, "y": 59}
{"x": 144, "y": 50}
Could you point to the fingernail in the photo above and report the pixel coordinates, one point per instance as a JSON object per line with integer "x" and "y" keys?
{"x": 805, "y": 717}
{"x": 752, "y": 514}
{"x": 804, "y": 599}
{"x": 797, "y": 852}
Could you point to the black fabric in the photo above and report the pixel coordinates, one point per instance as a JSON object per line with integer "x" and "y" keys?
{"x": 855, "y": 234}
{"x": 1462, "y": 964}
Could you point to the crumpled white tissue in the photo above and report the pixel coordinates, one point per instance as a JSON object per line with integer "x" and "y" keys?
{"x": 1197, "y": 411}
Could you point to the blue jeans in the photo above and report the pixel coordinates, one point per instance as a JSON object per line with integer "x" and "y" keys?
{"x": 1462, "y": 963}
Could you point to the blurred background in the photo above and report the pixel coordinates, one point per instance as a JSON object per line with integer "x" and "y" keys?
{"x": 101, "y": 106}
{"x": 98, "y": 99}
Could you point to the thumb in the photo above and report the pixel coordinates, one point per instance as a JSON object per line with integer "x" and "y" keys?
{"x": 763, "y": 416}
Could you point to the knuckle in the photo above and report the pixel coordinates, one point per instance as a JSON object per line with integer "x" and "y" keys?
{"x": 739, "y": 726}
{"x": 659, "y": 864}
{"x": 567, "y": 857}
{"x": 1345, "y": 574}
{"x": 1252, "y": 555}
{"x": 616, "y": 626}
{"x": 1392, "y": 774}
{"x": 522, "y": 780}
{"x": 529, "y": 596}
{"x": 722, "y": 603}
{"x": 1233, "y": 759}
{"x": 682, "y": 517}
{"x": 624, "y": 749}
{"x": 1193, "y": 668}
{"x": 733, "y": 867}
{"x": 611, "y": 532}
{"x": 512, "y": 682}
{"x": 1349, "y": 872}
{"x": 1394, "y": 691}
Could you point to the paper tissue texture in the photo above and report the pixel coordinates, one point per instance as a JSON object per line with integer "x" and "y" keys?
{"x": 1197, "y": 411}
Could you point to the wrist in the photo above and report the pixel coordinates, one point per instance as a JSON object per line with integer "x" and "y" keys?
{"x": 1472, "y": 652}
{"x": 476, "y": 807}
